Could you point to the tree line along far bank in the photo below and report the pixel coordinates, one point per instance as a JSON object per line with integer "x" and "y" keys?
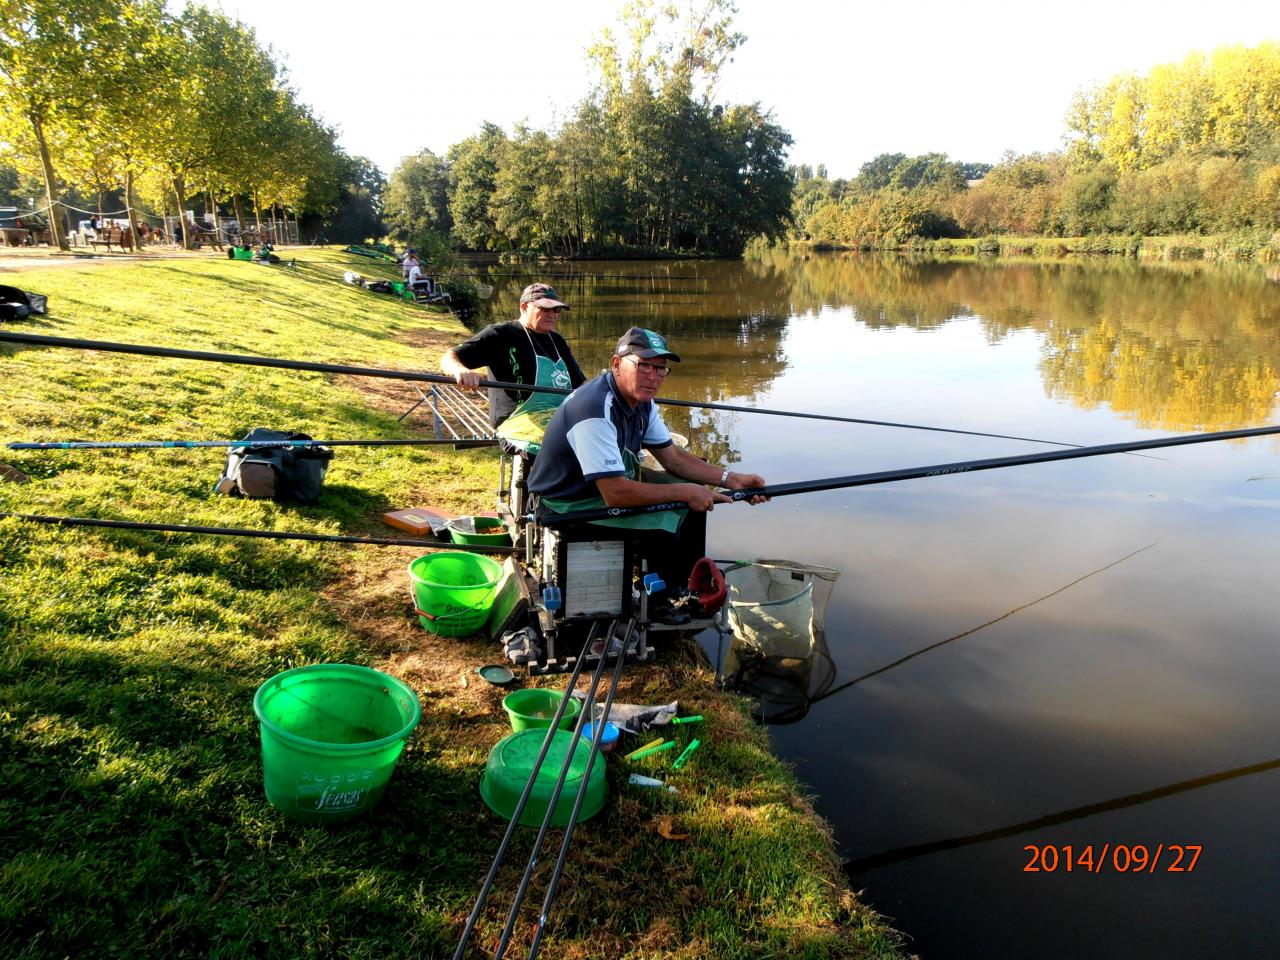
{"x": 187, "y": 110}
{"x": 160, "y": 112}
{"x": 198, "y": 114}
{"x": 1189, "y": 148}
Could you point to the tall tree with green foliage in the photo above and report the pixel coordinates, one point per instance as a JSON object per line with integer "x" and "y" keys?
{"x": 417, "y": 198}
{"x": 473, "y": 174}
{"x": 47, "y": 86}
{"x": 648, "y": 160}
{"x": 357, "y": 213}
{"x": 117, "y": 141}
{"x": 1228, "y": 102}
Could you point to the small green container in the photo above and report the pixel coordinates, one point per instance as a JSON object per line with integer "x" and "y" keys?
{"x": 533, "y": 709}
{"x": 482, "y": 531}
{"x": 331, "y": 736}
{"x": 511, "y": 762}
{"x": 453, "y": 592}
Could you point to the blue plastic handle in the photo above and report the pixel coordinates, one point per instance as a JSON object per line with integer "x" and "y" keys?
{"x": 653, "y": 583}
{"x": 551, "y": 598}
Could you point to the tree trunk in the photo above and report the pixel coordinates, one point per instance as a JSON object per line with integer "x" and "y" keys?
{"x": 179, "y": 195}
{"x": 239, "y": 209}
{"x": 257, "y": 214}
{"x": 56, "y": 232}
{"x": 128, "y": 210}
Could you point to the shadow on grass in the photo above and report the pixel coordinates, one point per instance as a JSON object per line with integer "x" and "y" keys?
{"x": 138, "y": 825}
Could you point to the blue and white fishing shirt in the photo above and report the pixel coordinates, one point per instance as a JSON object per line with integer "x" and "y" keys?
{"x": 594, "y": 435}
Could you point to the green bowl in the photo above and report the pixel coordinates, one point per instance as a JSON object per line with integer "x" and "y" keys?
{"x": 509, "y": 766}
{"x": 496, "y": 674}
{"x": 532, "y": 709}
{"x": 489, "y": 532}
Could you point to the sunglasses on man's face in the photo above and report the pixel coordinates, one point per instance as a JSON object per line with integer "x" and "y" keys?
{"x": 657, "y": 369}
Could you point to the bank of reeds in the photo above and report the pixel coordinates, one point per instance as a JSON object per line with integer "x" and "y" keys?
{"x": 1260, "y": 245}
{"x": 134, "y": 822}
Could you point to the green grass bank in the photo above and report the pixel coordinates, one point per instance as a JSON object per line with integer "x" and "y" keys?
{"x": 132, "y": 817}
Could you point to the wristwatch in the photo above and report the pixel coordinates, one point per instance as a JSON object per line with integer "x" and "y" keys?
{"x": 724, "y": 477}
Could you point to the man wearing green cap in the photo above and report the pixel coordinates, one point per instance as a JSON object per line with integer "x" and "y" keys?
{"x": 591, "y": 454}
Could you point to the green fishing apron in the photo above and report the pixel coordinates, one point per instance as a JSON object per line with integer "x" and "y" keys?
{"x": 666, "y": 520}
{"x": 527, "y": 425}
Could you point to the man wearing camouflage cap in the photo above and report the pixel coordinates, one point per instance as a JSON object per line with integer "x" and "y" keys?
{"x": 525, "y": 350}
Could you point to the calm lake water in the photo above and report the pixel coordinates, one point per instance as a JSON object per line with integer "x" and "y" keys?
{"x": 1128, "y": 699}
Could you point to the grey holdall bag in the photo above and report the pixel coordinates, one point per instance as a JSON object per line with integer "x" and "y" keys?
{"x": 281, "y": 473}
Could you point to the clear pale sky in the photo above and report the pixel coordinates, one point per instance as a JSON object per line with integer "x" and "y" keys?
{"x": 849, "y": 80}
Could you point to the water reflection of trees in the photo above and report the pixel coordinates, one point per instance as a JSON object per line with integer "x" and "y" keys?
{"x": 1175, "y": 346}
{"x": 725, "y": 322}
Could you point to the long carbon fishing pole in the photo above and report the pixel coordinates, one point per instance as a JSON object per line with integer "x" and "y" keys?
{"x": 861, "y": 864}
{"x": 597, "y": 734}
{"x": 249, "y": 360}
{"x": 258, "y": 534}
{"x": 553, "y": 726}
{"x": 832, "y": 691}
{"x": 914, "y": 473}
{"x": 513, "y": 914}
{"x": 251, "y": 444}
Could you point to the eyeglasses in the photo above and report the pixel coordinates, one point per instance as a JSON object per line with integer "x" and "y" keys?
{"x": 658, "y": 369}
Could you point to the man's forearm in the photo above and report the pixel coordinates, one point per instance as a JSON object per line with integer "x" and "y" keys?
{"x": 450, "y": 364}
{"x": 621, "y": 492}
{"x": 686, "y": 466}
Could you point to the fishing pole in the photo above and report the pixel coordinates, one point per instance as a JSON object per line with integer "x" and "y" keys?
{"x": 914, "y": 473}
{"x": 832, "y": 691}
{"x": 597, "y": 735}
{"x": 461, "y": 442}
{"x": 579, "y": 276}
{"x": 259, "y": 534}
{"x": 257, "y": 361}
{"x": 861, "y": 864}
{"x": 553, "y": 726}
{"x": 513, "y": 914}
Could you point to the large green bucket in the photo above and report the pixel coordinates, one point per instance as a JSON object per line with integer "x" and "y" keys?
{"x": 453, "y": 592}
{"x": 331, "y": 735}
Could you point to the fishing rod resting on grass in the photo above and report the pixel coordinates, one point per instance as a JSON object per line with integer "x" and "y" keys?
{"x": 597, "y": 733}
{"x": 513, "y": 914}
{"x": 553, "y": 725}
{"x": 258, "y": 534}
{"x": 249, "y": 360}
{"x": 461, "y": 442}
{"x": 914, "y": 473}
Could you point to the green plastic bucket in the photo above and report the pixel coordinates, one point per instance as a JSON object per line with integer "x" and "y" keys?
{"x": 511, "y": 762}
{"x": 533, "y": 709}
{"x": 453, "y": 592}
{"x": 482, "y": 531}
{"x": 331, "y": 735}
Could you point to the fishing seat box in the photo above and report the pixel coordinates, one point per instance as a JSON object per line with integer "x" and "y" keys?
{"x": 593, "y": 574}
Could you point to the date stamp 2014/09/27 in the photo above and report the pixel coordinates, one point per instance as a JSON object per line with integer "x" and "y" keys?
{"x": 1113, "y": 858}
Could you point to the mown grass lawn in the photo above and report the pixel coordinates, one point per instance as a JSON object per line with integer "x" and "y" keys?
{"x": 132, "y": 818}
